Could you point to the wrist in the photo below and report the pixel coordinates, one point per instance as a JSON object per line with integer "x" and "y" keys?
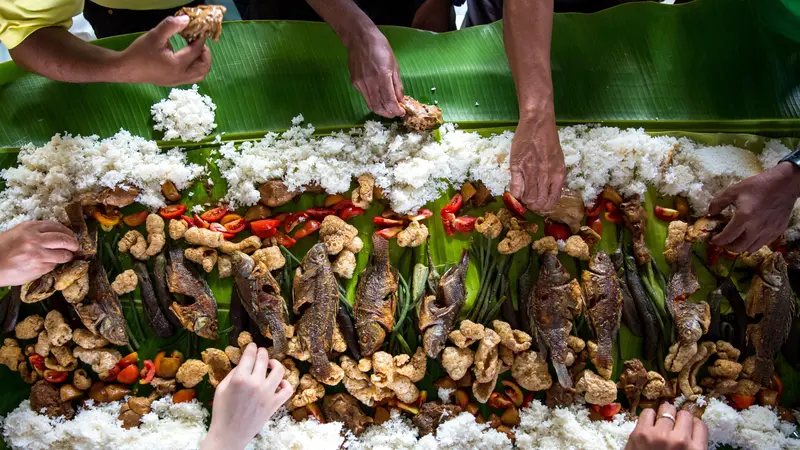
{"x": 359, "y": 34}
{"x": 215, "y": 441}
{"x": 119, "y": 68}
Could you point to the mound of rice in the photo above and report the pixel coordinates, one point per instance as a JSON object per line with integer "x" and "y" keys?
{"x": 184, "y": 115}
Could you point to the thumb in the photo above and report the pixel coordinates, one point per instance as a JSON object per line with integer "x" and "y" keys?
{"x": 517, "y": 187}
{"x": 722, "y": 200}
{"x": 189, "y": 54}
{"x": 168, "y": 27}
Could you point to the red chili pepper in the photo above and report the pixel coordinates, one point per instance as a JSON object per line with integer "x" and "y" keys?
{"x": 613, "y": 217}
{"x": 199, "y": 222}
{"x": 189, "y": 221}
{"x": 608, "y": 411}
{"x": 666, "y": 214}
{"x": 131, "y": 358}
{"x": 778, "y": 247}
{"x": 293, "y": 220}
{"x": 389, "y": 233}
{"x": 422, "y": 214}
{"x": 219, "y": 228}
{"x": 111, "y": 375}
{"x": 172, "y": 211}
{"x": 447, "y": 223}
{"x": 310, "y": 227}
{"x": 559, "y": 231}
{"x": 513, "y": 204}
{"x": 342, "y": 204}
{"x": 454, "y": 205}
{"x": 136, "y": 219}
{"x": 611, "y": 207}
{"x": 320, "y": 213}
{"x": 595, "y": 210}
{"x": 595, "y": 224}
{"x": 236, "y": 226}
{"x": 228, "y": 218}
{"x": 148, "y": 372}
{"x": 128, "y": 375}
{"x": 712, "y": 254}
{"x": 350, "y": 212}
{"x": 283, "y": 239}
{"x": 280, "y": 216}
{"x": 37, "y": 361}
{"x": 526, "y": 402}
{"x": 464, "y": 224}
{"x": 214, "y": 215}
{"x": 384, "y": 222}
{"x": 55, "y": 376}
{"x": 265, "y": 228}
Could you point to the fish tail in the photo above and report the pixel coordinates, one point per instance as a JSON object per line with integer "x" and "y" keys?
{"x": 320, "y": 367}
{"x": 563, "y": 375}
{"x": 764, "y": 370}
{"x": 605, "y": 353}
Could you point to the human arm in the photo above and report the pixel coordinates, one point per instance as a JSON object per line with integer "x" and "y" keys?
{"x": 32, "y": 249}
{"x": 763, "y": 205}
{"x": 55, "y": 53}
{"x": 537, "y": 162}
{"x": 433, "y": 15}
{"x": 373, "y": 67}
{"x": 245, "y": 400}
{"x": 684, "y": 432}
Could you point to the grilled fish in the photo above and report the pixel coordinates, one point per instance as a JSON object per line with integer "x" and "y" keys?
{"x": 261, "y": 297}
{"x": 87, "y": 237}
{"x": 101, "y": 312}
{"x": 603, "y": 307}
{"x": 155, "y": 317}
{"x": 438, "y": 314}
{"x": 636, "y": 220}
{"x": 682, "y": 279}
{"x": 771, "y": 296}
{"x": 552, "y": 305}
{"x": 199, "y": 317}
{"x": 376, "y": 299}
{"x": 316, "y": 295}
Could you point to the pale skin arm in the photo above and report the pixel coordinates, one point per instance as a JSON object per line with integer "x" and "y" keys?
{"x": 373, "y": 67}
{"x": 537, "y": 163}
{"x": 56, "y": 54}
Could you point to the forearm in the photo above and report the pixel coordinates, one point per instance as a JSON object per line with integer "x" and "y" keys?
{"x": 528, "y": 25}
{"x": 56, "y": 54}
{"x": 345, "y": 17}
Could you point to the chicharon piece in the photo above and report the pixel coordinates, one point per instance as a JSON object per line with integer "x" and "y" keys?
{"x": 205, "y": 21}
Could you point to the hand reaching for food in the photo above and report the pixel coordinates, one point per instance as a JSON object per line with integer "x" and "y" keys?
{"x": 32, "y": 249}
{"x": 763, "y": 205}
{"x": 151, "y": 59}
{"x": 375, "y": 73}
{"x": 537, "y": 165}
{"x": 244, "y": 401}
{"x": 668, "y": 430}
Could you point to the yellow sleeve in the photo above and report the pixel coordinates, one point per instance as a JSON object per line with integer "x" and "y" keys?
{"x": 20, "y": 18}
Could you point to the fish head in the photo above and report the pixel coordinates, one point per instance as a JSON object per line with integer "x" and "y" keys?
{"x": 774, "y": 269}
{"x": 601, "y": 264}
{"x": 552, "y": 271}
{"x": 371, "y": 337}
{"x": 205, "y": 327}
{"x": 242, "y": 264}
{"x": 317, "y": 256}
{"x": 113, "y": 330}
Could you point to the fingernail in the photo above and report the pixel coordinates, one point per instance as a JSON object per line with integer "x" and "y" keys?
{"x": 182, "y": 19}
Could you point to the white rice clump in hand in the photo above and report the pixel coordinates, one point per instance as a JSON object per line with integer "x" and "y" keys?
{"x": 184, "y": 115}
{"x": 49, "y": 177}
{"x": 168, "y": 426}
{"x": 756, "y": 428}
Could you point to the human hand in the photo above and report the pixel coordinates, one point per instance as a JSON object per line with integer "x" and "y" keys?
{"x": 537, "y": 164}
{"x": 375, "y": 73}
{"x": 433, "y": 15}
{"x": 151, "y": 59}
{"x": 32, "y": 249}
{"x": 763, "y": 205}
{"x": 246, "y": 399}
{"x": 686, "y": 432}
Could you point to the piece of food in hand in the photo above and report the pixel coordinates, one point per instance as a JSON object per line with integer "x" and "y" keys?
{"x": 419, "y": 116}
{"x": 205, "y": 22}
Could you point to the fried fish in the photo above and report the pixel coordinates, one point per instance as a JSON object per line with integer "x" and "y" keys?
{"x": 199, "y": 317}
{"x": 376, "y": 299}
{"x": 603, "y": 307}
{"x": 438, "y": 314}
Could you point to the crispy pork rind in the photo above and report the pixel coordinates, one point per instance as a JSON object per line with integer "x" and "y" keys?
{"x": 140, "y": 248}
{"x": 191, "y": 373}
{"x": 515, "y": 340}
{"x": 687, "y": 378}
{"x": 344, "y": 265}
{"x": 29, "y": 327}
{"x": 308, "y": 391}
{"x": 81, "y": 380}
{"x": 359, "y": 384}
{"x": 577, "y": 248}
{"x": 204, "y": 237}
{"x": 467, "y": 334}
{"x": 726, "y": 350}
{"x": 514, "y": 241}
{"x": 589, "y": 236}
{"x": 234, "y": 354}
{"x": 385, "y": 376}
{"x": 703, "y": 229}
{"x": 205, "y": 256}
{"x": 679, "y": 355}
{"x": 632, "y": 380}
{"x": 248, "y": 245}
{"x": 546, "y": 244}
{"x": 101, "y": 359}
{"x": 676, "y": 236}
{"x": 335, "y": 377}
{"x": 57, "y": 329}
{"x": 412, "y": 367}
{"x": 487, "y": 361}
{"x": 163, "y": 387}
{"x": 134, "y": 243}
{"x": 457, "y": 361}
{"x": 177, "y": 229}
{"x": 419, "y": 116}
{"x": 530, "y": 371}
{"x": 355, "y": 245}
{"x": 335, "y": 233}
{"x": 205, "y": 22}
{"x": 338, "y": 343}
{"x": 42, "y": 347}
{"x": 655, "y": 385}
{"x": 723, "y": 368}
{"x": 489, "y": 225}
{"x": 271, "y": 257}
{"x": 596, "y": 390}
{"x": 125, "y": 282}
{"x": 88, "y": 340}
{"x": 11, "y": 354}
{"x": 61, "y": 359}
{"x": 295, "y": 349}
{"x": 362, "y": 195}
{"x": 414, "y": 235}
{"x": 224, "y": 266}
{"x": 291, "y": 373}
{"x": 219, "y": 365}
